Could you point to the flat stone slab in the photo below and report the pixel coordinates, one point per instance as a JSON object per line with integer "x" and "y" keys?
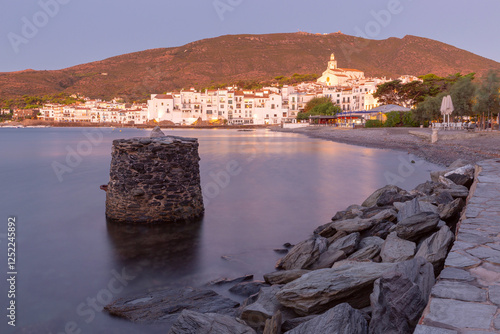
{"x": 458, "y": 314}
{"x": 459, "y": 260}
{"x": 456, "y": 274}
{"x": 458, "y": 290}
{"x": 422, "y": 329}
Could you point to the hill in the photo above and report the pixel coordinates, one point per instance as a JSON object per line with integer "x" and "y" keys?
{"x": 230, "y": 58}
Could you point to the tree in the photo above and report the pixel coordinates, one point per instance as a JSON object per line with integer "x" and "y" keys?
{"x": 463, "y": 94}
{"x": 389, "y": 92}
{"x": 315, "y": 102}
{"x": 429, "y": 109}
{"x": 488, "y": 99}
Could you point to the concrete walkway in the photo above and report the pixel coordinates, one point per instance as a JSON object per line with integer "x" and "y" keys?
{"x": 466, "y": 298}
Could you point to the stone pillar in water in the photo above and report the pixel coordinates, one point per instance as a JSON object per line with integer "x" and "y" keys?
{"x": 154, "y": 180}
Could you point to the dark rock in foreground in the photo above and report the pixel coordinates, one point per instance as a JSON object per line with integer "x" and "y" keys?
{"x": 321, "y": 289}
{"x": 164, "y": 306}
{"x": 190, "y": 322}
{"x": 342, "y": 319}
{"x": 400, "y": 296}
{"x": 284, "y": 276}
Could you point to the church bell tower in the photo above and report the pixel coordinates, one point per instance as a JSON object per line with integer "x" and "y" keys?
{"x": 332, "y": 64}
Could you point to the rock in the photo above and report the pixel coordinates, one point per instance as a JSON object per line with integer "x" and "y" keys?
{"x": 446, "y": 182}
{"x": 223, "y": 281}
{"x": 273, "y": 325}
{"x": 338, "y": 235}
{"x": 246, "y": 289}
{"x": 284, "y": 276}
{"x": 435, "y": 248}
{"x": 164, "y": 306}
{"x": 395, "y": 249}
{"x": 361, "y": 224}
{"x": 458, "y": 163}
{"x": 280, "y": 250}
{"x": 427, "y": 188}
{"x": 455, "y": 191}
{"x": 303, "y": 254}
{"x": 365, "y": 254}
{"x": 322, "y": 289}
{"x": 342, "y": 319}
{"x": 427, "y": 207}
{"x": 328, "y": 258}
{"x": 292, "y": 323}
{"x": 368, "y": 241}
{"x": 400, "y": 296}
{"x": 288, "y": 245}
{"x": 468, "y": 170}
{"x": 386, "y": 196}
{"x": 346, "y": 244}
{"x": 156, "y": 133}
{"x": 451, "y": 211}
{"x": 190, "y": 322}
{"x": 380, "y": 230}
{"x": 265, "y": 307}
{"x": 436, "y": 174}
{"x": 351, "y": 212}
{"x": 462, "y": 180}
{"x": 416, "y": 226}
{"x": 407, "y": 209}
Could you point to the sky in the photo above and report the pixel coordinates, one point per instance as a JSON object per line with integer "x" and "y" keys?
{"x": 55, "y": 34}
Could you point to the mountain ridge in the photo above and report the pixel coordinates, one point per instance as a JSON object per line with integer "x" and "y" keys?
{"x": 230, "y": 58}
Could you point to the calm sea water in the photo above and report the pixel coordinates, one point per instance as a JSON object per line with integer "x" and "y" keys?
{"x": 68, "y": 257}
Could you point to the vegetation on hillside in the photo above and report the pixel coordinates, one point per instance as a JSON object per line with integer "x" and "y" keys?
{"x": 33, "y": 102}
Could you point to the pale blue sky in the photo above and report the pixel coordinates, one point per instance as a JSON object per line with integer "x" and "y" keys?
{"x": 80, "y": 31}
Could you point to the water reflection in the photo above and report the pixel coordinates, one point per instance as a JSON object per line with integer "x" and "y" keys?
{"x": 172, "y": 248}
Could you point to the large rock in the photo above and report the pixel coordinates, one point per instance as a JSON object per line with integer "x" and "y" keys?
{"x": 463, "y": 176}
{"x": 290, "y": 324}
{"x": 435, "y": 248}
{"x": 380, "y": 230}
{"x": 400, "y": 296}
{"x": 387, "y": 196}
{"x": 416, "y": 226}
{"x": 303, "y": 254}
{"x": 328, "y": 258}
{"x": 360, "y": 224}
{"x": 451, "y": 211}
{"x": 365, "y": 254}
{"x": 395, "y": 249}
{"x": 164, "y": 306}
{"x": 407, "y": 209}
{"x": 322, "y": 289}
{"x": 458, "y": 163}
{"x": 273, "y": 325}
{"x": 264, "y": 308}
{"x": 427, "y": 188}
{"x": 342, "y": 319}
{"x": 455, "y": 191}
{"x": 190, "y": 322}
{"x": 284, "y": 276}
{"x": 369, "y": 241}
{"x": 246, "y": 289}
{"x": 346, "y": 244}
{"x": 156, "y": 133}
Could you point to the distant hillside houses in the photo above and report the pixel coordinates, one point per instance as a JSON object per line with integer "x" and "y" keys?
{"x": 347, "y": 88}
{"x": 96, "y": 111}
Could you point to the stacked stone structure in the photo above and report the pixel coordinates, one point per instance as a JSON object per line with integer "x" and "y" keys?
{"x": 154, "y": 180}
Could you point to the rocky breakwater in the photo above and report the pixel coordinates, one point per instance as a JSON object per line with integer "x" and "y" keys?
{"x": 154, "y": 179}
{"x": 369, "y": 270}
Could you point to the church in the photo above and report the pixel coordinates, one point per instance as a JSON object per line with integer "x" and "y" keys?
{"x": 334, "y": 76}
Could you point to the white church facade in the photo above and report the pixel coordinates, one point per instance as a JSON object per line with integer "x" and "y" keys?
{"x": 335, "y": 76}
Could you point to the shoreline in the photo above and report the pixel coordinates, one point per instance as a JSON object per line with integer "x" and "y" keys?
{"x": 482, "y": 147}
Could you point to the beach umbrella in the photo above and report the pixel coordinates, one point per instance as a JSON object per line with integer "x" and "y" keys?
{"x": 447, "y": 107}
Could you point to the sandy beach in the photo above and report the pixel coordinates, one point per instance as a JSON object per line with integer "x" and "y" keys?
{"x": 451, "y": 146}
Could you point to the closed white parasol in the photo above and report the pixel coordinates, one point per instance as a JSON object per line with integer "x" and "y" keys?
{"x": 446, "y": 108}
